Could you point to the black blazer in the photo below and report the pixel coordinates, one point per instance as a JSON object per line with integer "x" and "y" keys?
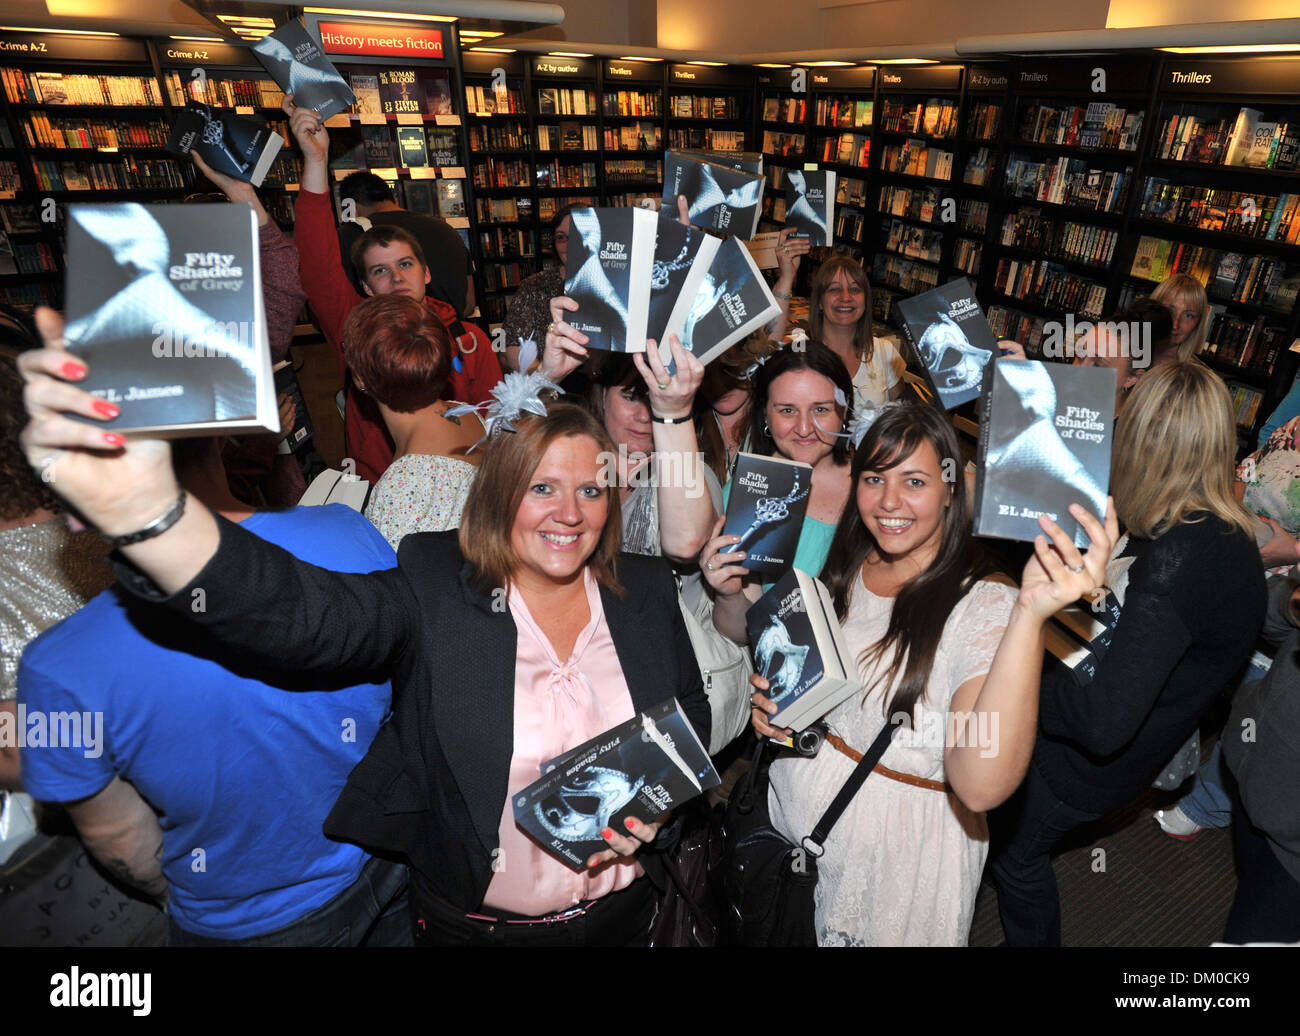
{"x": 435, "y": 781}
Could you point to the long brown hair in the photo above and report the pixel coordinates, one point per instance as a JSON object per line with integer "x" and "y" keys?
{"x": 924, "y": 604}
{"x": 863, "y": 343}
{"x": 509, "y": 462}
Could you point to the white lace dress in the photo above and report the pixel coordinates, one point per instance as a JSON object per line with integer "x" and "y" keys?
{"x": 903, "y": 864}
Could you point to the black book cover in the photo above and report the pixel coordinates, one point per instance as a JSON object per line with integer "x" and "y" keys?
{"x": 1045, "y": 439}
{"x": 732, "y": 301}
{"x": 643, "y": 768}
{"x": 749, "y": 161}
{"x": 608, "y": 271}
{"x": 164, "y": 302}
{"x": 300, "y": 435}
{"x": 419, "y": 196}
{"x": 951, "y": 339}
{"x": 443, "y": 148}
{"x": 768, "y": 501}
{"x": 299, "y": 67}
{"x": 232, "y": 144}
{"x": 379, "y": 147}
{"x": 799, "y": 649}
{"x": 810, "y": 204}
{"x": 399, "y": 91}
{"x": 410, "y": 143}
{"x": 718, "y": 196}
{"x": 682, "y": 257}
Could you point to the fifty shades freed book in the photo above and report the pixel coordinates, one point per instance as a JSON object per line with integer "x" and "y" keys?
{"x": 232, "y": 144}
{"x": 733, "y": 300}
{"x": 164, "y": 302}
{"x": 799, "y": 648}
{"x": 1045, "y": 439}
{"x": 766, "y": 507}
{"x": 951, "y": 339}
{"x": 810, "y": 204}
{"x": 718, "y": 197}
{"x": 642, "y": 768}
{"x": 607, "y": 272}
{"x": 299, "y": 67}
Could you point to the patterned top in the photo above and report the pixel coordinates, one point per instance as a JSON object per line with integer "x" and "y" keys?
{"x": 420, "y": 492}
{"x": 1272, "y": 477}
{"x": 530, "y": 309}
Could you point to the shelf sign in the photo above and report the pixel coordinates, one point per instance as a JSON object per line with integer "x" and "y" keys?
{"x": 546, "y": 65}
{"x": 1089, "y": 76}
{"x": 707, "y": 75}
{"x": 860, "y": 78}
{"x": 984, "y": 79}
{"x": 203, "y": 54}
{"x": 70, "y": 48}
{"x": 378, "y": 38}
{"x": 921, "y": 77}
{"x": 1266, "y": 75}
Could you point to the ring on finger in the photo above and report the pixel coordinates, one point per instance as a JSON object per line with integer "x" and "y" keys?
{"x": 550, "y": 328}
{"x": 709, "y": 566}
{"x": 1077, "y": 569}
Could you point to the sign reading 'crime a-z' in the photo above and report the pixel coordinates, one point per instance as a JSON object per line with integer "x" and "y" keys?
{"x": 376, "y": 38}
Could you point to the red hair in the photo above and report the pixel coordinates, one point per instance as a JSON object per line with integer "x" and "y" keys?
{"x": 399, "y": 351}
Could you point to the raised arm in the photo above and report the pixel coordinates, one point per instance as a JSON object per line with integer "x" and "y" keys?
{"x": 788, "y": 255}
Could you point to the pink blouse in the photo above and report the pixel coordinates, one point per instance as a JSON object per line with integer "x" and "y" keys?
{"x": 558, "y": 706}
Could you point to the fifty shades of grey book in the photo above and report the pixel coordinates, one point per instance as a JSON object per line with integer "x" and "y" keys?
{"x": 232, "y": 144}
{"x": 681, "y": 262}
{"x": 810, "y": 204}
{"x": 718, "y": 197}
{"x": 732, "y": 301}
{"x": 299, "y": 67}
{"x": 951, "y": 339}
{"x": 643, "y": 768}
{"x": 766, "y": 507}
{"x": 799, "y": 648}
{"x": 607, "y": 272}
{"x": 1045, "y": 439}
{"x": 164, "y": 303}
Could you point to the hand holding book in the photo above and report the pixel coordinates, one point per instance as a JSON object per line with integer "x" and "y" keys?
{"x": 235, "y": 190}
{"x": 1059, "y": 573}
{"x": 670, "y": 395}
{"x": 638, "y": 835}
{"x": 309, "y": 133}
{"x": 763, "y": 707}
{"x": 565, "y": 347}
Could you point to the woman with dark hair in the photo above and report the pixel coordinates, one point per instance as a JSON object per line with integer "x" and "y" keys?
{"x": 800, "y": 410}
{"x": 399, "y": 353}
{"x": 508, "y": 643}
{"x": 529, "y": 312}
{"x": 725, "y": 402}
{"x": 948, "y": 657}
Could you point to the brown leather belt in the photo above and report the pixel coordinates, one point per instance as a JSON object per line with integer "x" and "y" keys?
{"x": 885, "y": 771}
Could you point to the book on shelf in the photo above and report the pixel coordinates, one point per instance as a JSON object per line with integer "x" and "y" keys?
{"x": 1046, "y": 431}
{"x": 719, "y": 197}
{"x": 800, "y": 649}
{"x": 435, "y": 91}
{"x": 379, "y": 151}
{"x": 643, "y": 768}
{"x": 607, "y": 272}
{"x": 366, "y": 89}
{"x": 810, "y": 204}
{"x": 951, "y": 339}
{"x": 451, "y": 199}
{"x": 232, "y": 144}
{"x": 766, "y": 507}
{"x": 299, "y": 67}
{"x": 399, "y": 92}
{"x": 733, "y": 301}
{"x": 419, "y": 196}
{"x": 411, "y": 146}
{"x": 164, "y": 302}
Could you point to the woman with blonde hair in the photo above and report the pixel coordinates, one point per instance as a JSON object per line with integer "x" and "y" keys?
{"x": 1185, "y": 599}
{"x": 1184, "y": 297}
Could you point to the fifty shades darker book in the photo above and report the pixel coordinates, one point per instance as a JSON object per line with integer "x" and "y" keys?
{"x": 733, "y": 300}
{"x": 232, "y": 144}
{"x": 718, "y": 197}
{"x": 951, "y": 339}
{"x": 799, "y": 648}
{"x": 810, "y": 204}
{"x": 607, "y": 272}
{"x": 299, "y": 67}
{"x": 1045, "y": 439}
{"x": 643, "y": 768}
{"x": 164, "y": 303}
{"x": 766, "y": 507}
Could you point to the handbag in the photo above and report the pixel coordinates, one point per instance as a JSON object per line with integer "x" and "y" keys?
{"x": 688, "y": 911}
{"x": 725, "y": 668}
{"x": 770, "y": 884}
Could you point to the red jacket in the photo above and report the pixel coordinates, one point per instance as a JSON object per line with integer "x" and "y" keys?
{"x": 332, "y": 299}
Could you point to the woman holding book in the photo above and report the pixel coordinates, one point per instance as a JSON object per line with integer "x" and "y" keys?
{"x": 510, "y": 642}
{"x": 1185, "y": 600}
{"x": 946, "y": 655}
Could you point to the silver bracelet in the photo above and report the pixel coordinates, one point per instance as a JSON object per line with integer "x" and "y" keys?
{"x": 784, "y": 296}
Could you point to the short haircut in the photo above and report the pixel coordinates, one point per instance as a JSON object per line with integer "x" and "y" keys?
{"x": 503, "y": 476}
{"x": 1175, "y": 452}
{"x": 365, "y": 189}
{"x": 607, "y": 370}
{"x": 1192, "y": 292}
{"x": 811, "y": 355}
{"x": 399, "y": 350}
{"x": 381, "y": 237}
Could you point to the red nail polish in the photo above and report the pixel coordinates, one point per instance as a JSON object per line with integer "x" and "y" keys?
{"x": 607, "y": 833}
{"x": 113, "y": 439}
{"x": 72, "y": 370}
{"x": 631, "y": 823}
{"x": 105, "y": 409}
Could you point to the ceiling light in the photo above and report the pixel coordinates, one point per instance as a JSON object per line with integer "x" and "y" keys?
{"x": 1241, "y": 48}
{"x": 903, "y": 61}
{"x": 638, "y": 58}
{"x": 770, "y": 64}
{"x": 568, "y": 54}
{"x": 827, "y": 64}
{"x": 399, "y": 15}
{"x": 198, "y": 39}
{"x": 492, "y": 50}
{"x": 239, "y": 19}
{"x": 710, "y": 64}
{"x": 59, "y": 32}
{"x": 483, "y": 33}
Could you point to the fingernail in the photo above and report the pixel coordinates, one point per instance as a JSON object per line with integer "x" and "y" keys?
{"x": 607, "y": 833}
{"x": 105, "y": 409}
{"x": 113, "y": 439}
{"x": 73, "y": 370}
{"x": 630, "y": 823}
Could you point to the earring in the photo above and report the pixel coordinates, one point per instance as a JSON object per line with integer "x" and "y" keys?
{"x": 766, "y": 430}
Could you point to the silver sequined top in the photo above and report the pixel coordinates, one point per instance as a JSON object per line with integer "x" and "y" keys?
{"x": 46, "y": 574}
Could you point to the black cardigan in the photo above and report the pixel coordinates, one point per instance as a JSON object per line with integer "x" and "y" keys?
{"x": 434, "y": 783}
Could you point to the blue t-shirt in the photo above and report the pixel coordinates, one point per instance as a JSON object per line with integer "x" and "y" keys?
{"x": 813, "y": 546}
{"x": 242, "y": 773}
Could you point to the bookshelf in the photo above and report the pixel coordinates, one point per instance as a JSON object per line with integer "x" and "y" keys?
{"x": 633, "y": 135}
{"x": 979, "y": 157}
{"x": 843, "y": 107}
{"x": 710, "y": 107}
{"x": 782, "y": 107}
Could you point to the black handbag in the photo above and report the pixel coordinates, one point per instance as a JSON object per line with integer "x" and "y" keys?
{"x": 770, "y": 884}
{"x": 688, "y": 912}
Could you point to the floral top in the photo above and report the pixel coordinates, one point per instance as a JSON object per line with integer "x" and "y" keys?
{"x": 420, "y": 492}
{"x": 1272, "y": 477}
